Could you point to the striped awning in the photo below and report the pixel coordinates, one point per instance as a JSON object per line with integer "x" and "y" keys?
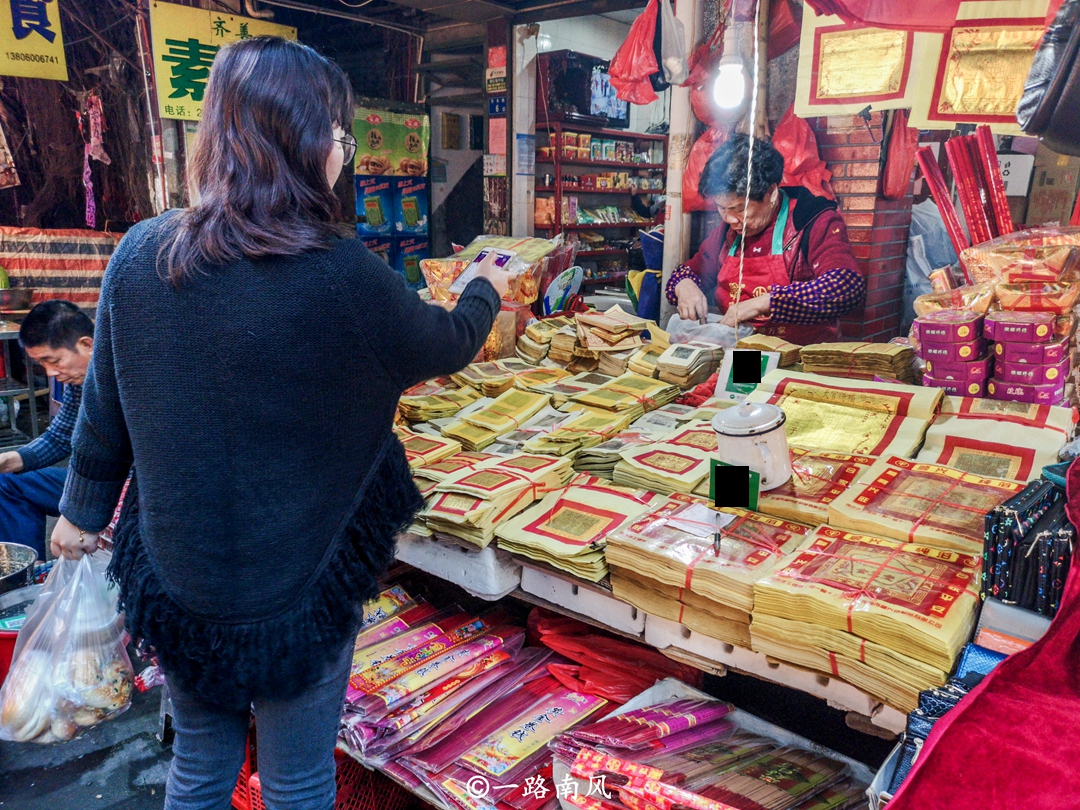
{"x": 66, "y": 263}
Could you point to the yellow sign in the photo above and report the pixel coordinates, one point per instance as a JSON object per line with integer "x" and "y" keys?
{"x": 31, "y": 43}
{"x": 185, "y": 42}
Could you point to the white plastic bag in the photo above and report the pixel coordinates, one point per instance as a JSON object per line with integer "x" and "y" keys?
{"x": 672, "y": 45}
{"x": 71, "y": 669}
{"x": 681, "y": 331}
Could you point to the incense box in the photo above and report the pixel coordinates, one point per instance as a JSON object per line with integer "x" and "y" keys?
{"x": 1041, "y": 354}
{"x": 957, "y": 388}
{"x": 1031, "y": 374}
{"x": 960, "y": 371}
{"x": 1021, "y": 327}
{"x": 953, "y": 352}
{"x": 948, "y": 326}
{"x": 1019, "y": 392}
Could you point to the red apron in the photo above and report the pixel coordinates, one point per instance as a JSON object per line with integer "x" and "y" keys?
{"x": 762, "y": 272}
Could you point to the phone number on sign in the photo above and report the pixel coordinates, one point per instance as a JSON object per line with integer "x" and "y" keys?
{"x": 16, "y": 56}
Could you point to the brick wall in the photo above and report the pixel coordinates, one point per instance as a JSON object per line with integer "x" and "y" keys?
{"x": 877, "y": 228}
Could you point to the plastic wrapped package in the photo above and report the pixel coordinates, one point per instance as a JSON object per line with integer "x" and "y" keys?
{"x": 976, "y": 297}
{"x": 1058, "y": 297}
{"x": 502, "y": 340}
{"x": 71, "y": 669}
{"x": 525, "y": 271}
{"x": 1040, "y": 254}
{"x": 682, "y": 331}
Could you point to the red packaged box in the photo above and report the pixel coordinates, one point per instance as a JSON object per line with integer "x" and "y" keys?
{"x": 1019, "y": 392}
{"x": 1032, "y": 374}
{"x": 957, "y": 388}
{"x": 953, "y": 352}
{"x": 1023, "y": 327}
{"x": 1039, "y": 354}
{"x": 948, "y": 326}
{"x": 970, "y": 371}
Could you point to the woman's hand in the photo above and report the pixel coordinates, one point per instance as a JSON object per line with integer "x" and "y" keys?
{"x": 68, "y": 541}
{"x": 499, "y": 278}
{"x": 749, "y": 309}
{"x": 693, "y": 305}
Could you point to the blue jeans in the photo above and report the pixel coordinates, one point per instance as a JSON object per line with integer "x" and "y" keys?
{"x": 25, "y": 500}
{"x": 296, "y": 740}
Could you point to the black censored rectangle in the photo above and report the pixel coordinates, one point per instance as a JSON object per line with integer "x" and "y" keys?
{"x": 746, "y": 367}
{"x": 732, "y": 487}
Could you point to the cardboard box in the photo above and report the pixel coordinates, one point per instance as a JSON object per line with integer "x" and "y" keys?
{"x": 948, "y": 326}
{"x": 952, "y": 371}
{"x": 374, "y": 205}
{"x": 957, "y": 388}
{"x": 1018, "y": 392}
{"x": 410, "y": 205}
{"x": 1016, "y": 172}
{"x": 1053, "y": 188}
{"x": 1039, "y": 354}
{"x": 1022, "y": 327}
{"x": 1031, "y": 374}
{"x": 954, "y": 352}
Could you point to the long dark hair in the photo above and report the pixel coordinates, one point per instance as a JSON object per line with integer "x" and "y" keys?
{"x": 259, "y": 162}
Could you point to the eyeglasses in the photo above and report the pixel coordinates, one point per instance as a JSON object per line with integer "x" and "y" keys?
{"x": 348, "y": 144}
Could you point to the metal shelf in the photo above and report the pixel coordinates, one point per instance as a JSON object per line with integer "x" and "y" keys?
{"x": 579, "y": 190}
{"x": 602, "y": 164}
{"x": 620, "y": 134}
{"x": 651, "y": 223}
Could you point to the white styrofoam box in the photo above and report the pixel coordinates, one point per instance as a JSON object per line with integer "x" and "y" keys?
{"x": 878, "y": 793}
{"x": 488, "y": 573}
{"x": 583, "y": 599}
{"x": 662, "y": 633}
{"x": 672, "y": 689}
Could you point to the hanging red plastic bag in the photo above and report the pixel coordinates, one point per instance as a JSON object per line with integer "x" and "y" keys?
{"x": 802, "y": 165}
{"x": 785, "y": 27}
{"x": 900, "y": 163}
{"x": 635, "y": 61}
{"x": 700, "y": 152}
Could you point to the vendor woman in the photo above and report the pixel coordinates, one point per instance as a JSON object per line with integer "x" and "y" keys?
{"x": 799, "y": 276}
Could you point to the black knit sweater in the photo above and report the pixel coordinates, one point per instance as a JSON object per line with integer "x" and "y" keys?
{"x": 256, "y": 403}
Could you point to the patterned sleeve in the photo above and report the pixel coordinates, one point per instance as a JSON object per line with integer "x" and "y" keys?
{"x": 682, "y": 272}
{"x": 54, "y": 445}
{"x": 831, "y": 295}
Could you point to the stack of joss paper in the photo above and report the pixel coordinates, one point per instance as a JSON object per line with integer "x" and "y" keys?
{"x": 887, "y": 617}
{"x": 841, "y": 416}
{"x": 614, "y": 364}
{"x": 535, "y": 379}
{"x": 680, "y": 463}
{"x": 447, "y": 402}
{"x": 631, "y": 394}
{"x": 508, "y": 412}
{"x": 789, "y": 352}
{"x": 667, "y": 564}
{"x": 562, "y": 390}
{"x": 645, "y": 359}
{"x": 421, "y": 450}
{"x": 601, "y": 459}
{"x": 689, "y": 364}
{"x": 612, "y": 331}
{"x": 817, "y": 479}
{"x": 429, "y": 476}
{"x": 577, "y": 431}
{"x": 939, "y": 506}
{"x": 471, "y": 503}
{"x": 963, "y": 436}
{"x": 533, "y": 346}
{"x": 569, "y": 528}
{"x": 861, "y": 361}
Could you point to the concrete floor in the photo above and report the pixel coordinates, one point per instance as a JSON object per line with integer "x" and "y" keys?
{"x": 119, "y": 765}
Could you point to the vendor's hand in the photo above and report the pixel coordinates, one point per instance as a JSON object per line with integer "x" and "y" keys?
{"x": 499, "y": 279}
{"x": 67, "y": 542}
{"x": 749, "y": 310}
{"x": 10, "y": 462}
{"x": 693, "y": 305}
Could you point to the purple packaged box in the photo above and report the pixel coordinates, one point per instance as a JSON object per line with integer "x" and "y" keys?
{"x": 1031, "y": 374}
{"x": 957, "y": 388}
{"x": 953, "y": 352}
{"x": 954, "y": 371}
{"x": 1022, "y": 327}
{"x": 948, "y": 326}
{"x": 1040, "y": 354}
{"x": 1019, "y": 392}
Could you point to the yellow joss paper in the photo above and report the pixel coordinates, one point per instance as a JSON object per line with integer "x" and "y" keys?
{"x": 915, "y": 600}
{"x": 939, "y": 506}
{"x": 846, "y": 416}
{"x": 421, "y": 450}
{"x": 509, "y": 411}
{"x": 817, "y": 480}
{"x": 533, "y": 379}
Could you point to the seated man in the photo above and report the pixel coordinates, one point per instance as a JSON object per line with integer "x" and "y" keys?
{"x": 59, "y": 336}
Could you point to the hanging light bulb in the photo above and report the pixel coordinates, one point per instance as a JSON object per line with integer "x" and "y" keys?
{"x": 729, "y": 91}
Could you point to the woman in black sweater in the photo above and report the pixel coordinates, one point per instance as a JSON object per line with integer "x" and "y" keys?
{"x": 248, "y": 362}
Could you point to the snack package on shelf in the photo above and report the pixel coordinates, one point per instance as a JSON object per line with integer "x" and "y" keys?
{"x": 71, "y": 669}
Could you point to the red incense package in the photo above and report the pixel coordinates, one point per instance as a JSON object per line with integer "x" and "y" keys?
{"x": 957, "y": 388}
{"x": 953, "y": 352}
{"x": 1031, "y": 374}
{"x": 960, "y": 371}
{"x": 1021, "y": 327}
{"x": 948, "y": 326}
{"x": 1018, "y": 392}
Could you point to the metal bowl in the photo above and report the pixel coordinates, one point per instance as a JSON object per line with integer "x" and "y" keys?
{"x": 16, "y": 566}
{"x": 16, "y": 298}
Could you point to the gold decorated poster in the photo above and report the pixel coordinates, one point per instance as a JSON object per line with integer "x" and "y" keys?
{"x": 985, "y": 71}
{"x": 185, "y": 41}
{"x": 31, "y": 42}
{"x": 859, "y": 62}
